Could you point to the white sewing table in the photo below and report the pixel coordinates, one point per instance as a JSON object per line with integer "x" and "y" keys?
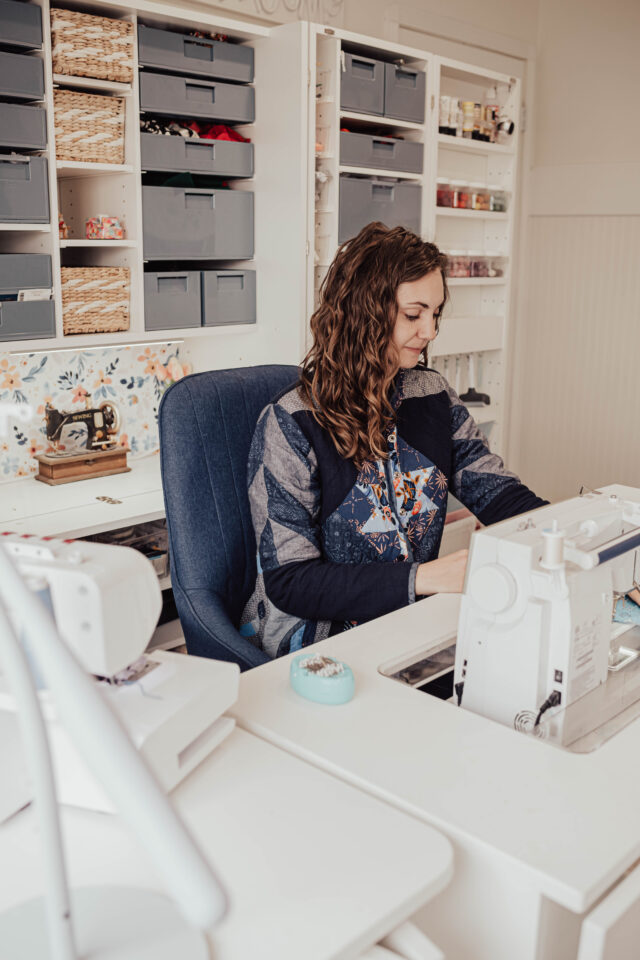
{"x": 73, "y": 509}
{"x": 539, "y": 833}
{"x": 315, "y": 870}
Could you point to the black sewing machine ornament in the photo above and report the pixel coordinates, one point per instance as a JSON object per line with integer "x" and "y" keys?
{"x": 103, "y": 457}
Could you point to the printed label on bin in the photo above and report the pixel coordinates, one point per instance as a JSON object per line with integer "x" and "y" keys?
{"x": 36, "y": 294}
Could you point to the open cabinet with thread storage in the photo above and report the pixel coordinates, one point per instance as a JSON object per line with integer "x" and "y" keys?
{"x": 225, "y": 292}
{"x": 364, "y": 157}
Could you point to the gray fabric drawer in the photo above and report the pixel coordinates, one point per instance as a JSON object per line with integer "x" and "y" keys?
{"x": 404, "y": 93}
{"x": 228, "y": 296}
{"x": 363, "y": 200}
{"x": 21, "y": 76}
{"x": 23, "y": 127}
{"x": 31, "y": 320}
{"x": 172, "y": 300}
{"x": 361, "y": 149}
{"x": 362, "y": 84}
{"x": 24, "y": 190}
{"x": 222, "y": 157}
{"x": 20, "y": 24}
{"x": 185, "y": 223}
{"x": 182, "y": 97}
{"x": 24, "y": 271}
{"x": 211, "y": 58}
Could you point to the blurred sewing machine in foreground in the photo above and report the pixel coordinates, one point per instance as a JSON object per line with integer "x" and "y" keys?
{"x": 106, "y": 601}
{"x": 536, "y": 646}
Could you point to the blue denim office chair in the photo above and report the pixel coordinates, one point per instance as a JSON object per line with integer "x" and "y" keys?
{"x": 206, "y": 424}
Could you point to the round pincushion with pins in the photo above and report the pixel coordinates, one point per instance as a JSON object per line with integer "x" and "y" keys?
{"x": 322, "y": 679}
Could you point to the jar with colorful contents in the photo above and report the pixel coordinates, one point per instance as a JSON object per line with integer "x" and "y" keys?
{"x": 459, "y": 264}
{"x": 478, "y": 264}
{"x": 444, "y": 197}
{"x": 480, "y": 197}
{"x": 460, "y": 192}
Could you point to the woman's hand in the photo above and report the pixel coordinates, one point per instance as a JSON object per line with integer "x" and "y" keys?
{"x": 444, "y": 575}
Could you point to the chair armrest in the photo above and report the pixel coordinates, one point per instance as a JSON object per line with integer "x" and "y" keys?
{"x": 209, "y": 632}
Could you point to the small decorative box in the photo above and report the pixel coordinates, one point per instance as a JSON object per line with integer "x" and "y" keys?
{"x": 322, "y": 679}
{"x": 104, "y": 228}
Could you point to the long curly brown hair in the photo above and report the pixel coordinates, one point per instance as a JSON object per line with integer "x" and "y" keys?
{"x": 348, "y": 373}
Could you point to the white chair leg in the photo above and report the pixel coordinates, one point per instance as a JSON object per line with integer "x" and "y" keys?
{"x": 410, "y": 943}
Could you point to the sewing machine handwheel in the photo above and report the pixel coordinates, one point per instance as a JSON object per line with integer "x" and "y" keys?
{"x": 111, "y": 416}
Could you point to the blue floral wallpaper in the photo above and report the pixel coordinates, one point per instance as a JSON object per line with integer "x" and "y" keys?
{"x": 133, "y": 377}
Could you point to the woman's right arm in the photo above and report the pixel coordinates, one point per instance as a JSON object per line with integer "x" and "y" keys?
{"x": 444, "y": 575}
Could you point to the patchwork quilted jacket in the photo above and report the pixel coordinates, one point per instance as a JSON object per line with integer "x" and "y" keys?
{"x": 338, "y": 546}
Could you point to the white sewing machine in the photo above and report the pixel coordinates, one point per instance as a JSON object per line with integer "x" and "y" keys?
{"x": 535, "y": 632}
{"x": 106, "y": 601}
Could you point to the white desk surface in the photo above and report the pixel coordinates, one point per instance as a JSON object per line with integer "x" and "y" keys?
{"x": 28, "y": 506}
{"x": 570, "y": 820}
{"x": 315, "y": 870}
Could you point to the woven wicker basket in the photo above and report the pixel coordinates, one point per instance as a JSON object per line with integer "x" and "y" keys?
{"x": 95, "y": 299}
{"x": 87, "y": 46}
{"x": 88, "y": 127}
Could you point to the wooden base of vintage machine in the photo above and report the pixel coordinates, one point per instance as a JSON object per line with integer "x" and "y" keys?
{"x": 83, "y": 466}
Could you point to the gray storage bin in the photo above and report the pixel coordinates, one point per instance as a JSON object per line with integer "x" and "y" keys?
{"x": 363, "y": 199}
{"x": 21, "y": 76}
{"x": 362, "y": 84}
{"x": 172, "y": 300}
{"x": 24, "y": 190}
{"x": 221, "y": 157}
{"x": 23, "y": 127}
{"x": 190, "y": 224}
{"x": 197, "y": 55}
{"x": 364, "y": 150}
{"x": 404, "y": 93}
{"x": 30, "y": 319}
{"x": 207, "y": 99}
{"x": 228, "y": 296}
{"x": 20, "y": 24}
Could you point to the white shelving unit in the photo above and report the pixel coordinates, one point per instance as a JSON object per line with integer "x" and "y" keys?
{"x": 476, "y": 322}
{"x": 80, "y": 190}
{"x": 475, "y": 328}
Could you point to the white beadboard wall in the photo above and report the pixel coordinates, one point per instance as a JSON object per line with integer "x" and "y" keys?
{"x": 578, "y": 409}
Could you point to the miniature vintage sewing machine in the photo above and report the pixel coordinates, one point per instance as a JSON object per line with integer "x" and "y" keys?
{"x": 536, "y": 646}
{"x": 104, "y": 457}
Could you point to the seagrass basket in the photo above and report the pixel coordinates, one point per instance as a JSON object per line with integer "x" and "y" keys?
{"x": 88, "y": 127}
{"x": 95, "y": 299}
{"x": 88, "y": 46}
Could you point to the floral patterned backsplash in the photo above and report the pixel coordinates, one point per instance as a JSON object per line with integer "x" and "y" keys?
{"x": 133, "y": 377}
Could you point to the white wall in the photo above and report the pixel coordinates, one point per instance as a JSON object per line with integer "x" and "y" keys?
{"x": 576, "y": 403}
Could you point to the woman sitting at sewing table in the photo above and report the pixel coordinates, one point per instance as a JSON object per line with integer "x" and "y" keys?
{"x": 350, "y": 468}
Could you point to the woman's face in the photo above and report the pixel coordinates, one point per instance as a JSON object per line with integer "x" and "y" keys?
{"x": 419, "y": 305}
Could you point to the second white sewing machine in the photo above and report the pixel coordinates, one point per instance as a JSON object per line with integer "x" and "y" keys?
{"x": 535, "y": 634}
{"x": 106, "y": 601}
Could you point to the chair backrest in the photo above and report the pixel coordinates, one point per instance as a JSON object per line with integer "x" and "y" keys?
{"x": 206, "y": 423}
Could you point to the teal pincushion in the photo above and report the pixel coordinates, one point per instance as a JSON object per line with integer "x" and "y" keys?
{"x": 322, "y": 679}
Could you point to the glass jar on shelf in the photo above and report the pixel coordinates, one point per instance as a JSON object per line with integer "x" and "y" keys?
{"x": 498, "y": 200}
{"x": 444, "y": 197}
{"x": 459, "y": 264}
{"x": 495, "y": 264}
{"x": 478, "y": 264}
{"x": 461, "y": 196}
{"x": 480, "y": 196}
